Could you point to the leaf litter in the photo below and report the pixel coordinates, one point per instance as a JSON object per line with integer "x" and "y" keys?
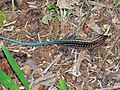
{"x": 46, "y": 64}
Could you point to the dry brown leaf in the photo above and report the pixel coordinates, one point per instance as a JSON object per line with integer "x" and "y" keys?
{"x": 94, "y": 27}
{"x": 110, "y": 1}
{"x": 6, "y": 67}
{"x": 86, "y": 29}
{"x": 24, "y": 5}
{"x": 42, "y": 87}
{"x": 64, "y": 4}
{"x": 2, "y": 2}
{"x": 115, "y": 19}
{"x": 47, "y": 80}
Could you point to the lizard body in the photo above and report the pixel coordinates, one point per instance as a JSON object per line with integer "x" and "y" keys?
{"x": 75, "y": 43}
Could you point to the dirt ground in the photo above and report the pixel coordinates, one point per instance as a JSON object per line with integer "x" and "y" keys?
{"x": 89, "y": 69}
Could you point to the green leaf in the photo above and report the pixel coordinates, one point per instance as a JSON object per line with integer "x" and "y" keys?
{"x": 58, "y": 18}
{"x": 47, "y": 18}
{"x": 49, "y": 7}
{"x": 52, "y": 7}
{"x": 7, "y": 82}
{"x": 56, "y": 8}
{"x": 2, "y": 18}
{"x": 116, "y": 2}
{"x": 15, "y": 67}
{"x": 63, "y": 85}
{"x": 117, "y": 58}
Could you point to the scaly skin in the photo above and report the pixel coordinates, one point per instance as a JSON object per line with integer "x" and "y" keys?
{"x": 75, "y": 43}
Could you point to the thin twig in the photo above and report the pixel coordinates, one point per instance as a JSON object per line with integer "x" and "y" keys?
{"x": 76, "y": 67}
{"x": 56, "y": 60}
{"x": 111, "y": 88}
{"x": 80, "y": 26}
{"x": 114, "y": 43}
{"x": 108, "y": 53}
{"x": 13, "y": 5}
{"x": 79, "y": 61}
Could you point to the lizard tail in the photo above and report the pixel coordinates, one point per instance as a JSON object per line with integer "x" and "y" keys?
{"x": 32, "y": 44}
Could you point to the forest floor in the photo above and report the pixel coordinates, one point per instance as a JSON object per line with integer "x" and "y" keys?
{"x": 44, "y": 20}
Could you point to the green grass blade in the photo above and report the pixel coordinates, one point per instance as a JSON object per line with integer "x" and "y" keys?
{"x": 15, "y": 67}
{"x": 7, "y": 82}
{"x": 63, "y": 85}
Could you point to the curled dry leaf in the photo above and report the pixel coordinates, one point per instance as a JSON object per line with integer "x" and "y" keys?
{"x": 42, "y": 87}
{"x": 86, "y": 29}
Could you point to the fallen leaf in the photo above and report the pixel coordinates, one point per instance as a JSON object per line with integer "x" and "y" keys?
{"x": 6, "y": 67}
{"x": 86, "y": 29}
{"x": 47, "y": 18}
{"x": 24, "y": 5}
{"x": 115, "y": 19}
{"x": 94, "y": 27}
{"x": 42, "y": 87}
{"x": 64, "y": 4}
{"x": 48, "y": 79}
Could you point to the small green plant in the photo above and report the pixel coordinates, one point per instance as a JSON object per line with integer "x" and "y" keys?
{"x": 116, "y": 2}
{"x": 47, "y": 18}
{"x": 52, "y": 7}
{"x": 50, "y": 17}
{"x": 5, "y": 80}
{"x": 2, "y": 18}
{"x": 62, "y": 84}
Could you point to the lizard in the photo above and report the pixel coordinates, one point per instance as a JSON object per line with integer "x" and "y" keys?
{"x": 74, "y": 43}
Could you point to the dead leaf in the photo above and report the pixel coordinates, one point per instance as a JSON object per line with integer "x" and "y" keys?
{"x": 115, "y": 19}
{"x": 3, "y": 2}
{"x": 42, "y": 87}
{"x": 94, "y": 27}
{"x": 110, "y": 2}
{"x": 64, "y": 4}
{"x": 24, "y": 5}
{"x": 6, "y": 67}
{"x": 31, "y": 63}
{"x": 86, "y": 29}
{"x": 47, "y": 80}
